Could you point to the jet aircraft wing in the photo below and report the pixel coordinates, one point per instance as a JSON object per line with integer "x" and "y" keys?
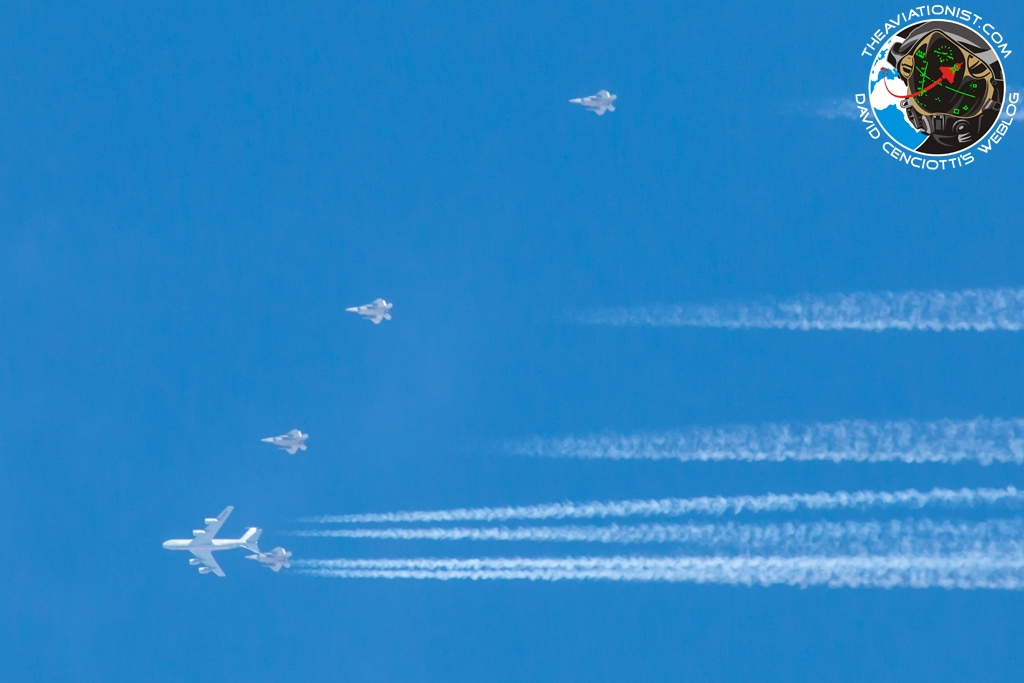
{"x": 206, "y": 557}
{"x": 212, "y": 527}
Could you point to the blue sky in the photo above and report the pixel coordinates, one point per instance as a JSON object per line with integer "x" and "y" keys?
{"x": 192, "y": 196}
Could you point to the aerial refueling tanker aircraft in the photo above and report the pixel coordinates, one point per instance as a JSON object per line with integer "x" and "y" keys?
{"x": 203, "y": 544}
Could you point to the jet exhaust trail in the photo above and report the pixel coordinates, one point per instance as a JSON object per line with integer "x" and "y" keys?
{"x": 826, "y": 539}
{"x": 704, "y": 505}
{"x": 985, "y": 441}
{"x": 966, "y": 571}
{"x": 971, "y": 309}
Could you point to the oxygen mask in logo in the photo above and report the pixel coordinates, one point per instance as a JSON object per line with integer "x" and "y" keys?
{"x": 953, "y": 95}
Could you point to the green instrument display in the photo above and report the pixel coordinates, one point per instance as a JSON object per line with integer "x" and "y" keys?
{"x": 945, "y": 78}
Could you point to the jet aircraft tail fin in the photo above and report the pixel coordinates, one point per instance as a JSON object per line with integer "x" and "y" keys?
{"x": 250, "y": 538}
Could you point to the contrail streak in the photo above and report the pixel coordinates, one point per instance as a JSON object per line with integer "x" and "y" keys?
{"x": 967, "y": 571}
{"x": 922, "y": 537}
{"x": 947, "y": 441}
{"x": 704, "y": 505}
{"x": 971, "y": 309}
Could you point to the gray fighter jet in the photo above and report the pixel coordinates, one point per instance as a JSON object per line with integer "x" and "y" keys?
{"x": 599, "y": 103}
{"x": 203, "y": 544}
{"x": 291, "y": 442}
{"x": 274, "y": 560}
{"x": 375, "y": 311}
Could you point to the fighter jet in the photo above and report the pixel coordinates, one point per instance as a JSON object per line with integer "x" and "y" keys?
{"x": 203, "y": 543}
{"x": 291, "y": 442}
{"x": 599, "y": 103}
{"x": 275, "y": 559}
{"x": 375, "y": 311}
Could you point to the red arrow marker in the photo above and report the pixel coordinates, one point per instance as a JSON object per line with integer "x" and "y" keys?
{"x": 947, "y": 75}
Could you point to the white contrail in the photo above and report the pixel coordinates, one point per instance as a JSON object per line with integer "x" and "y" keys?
{"x": 921, "y": 537}
{"x": 946, "y": 441}
{"x": 971, "y": 309}
{"x": 704, "y": 505}
{"x": 968, "y": 571}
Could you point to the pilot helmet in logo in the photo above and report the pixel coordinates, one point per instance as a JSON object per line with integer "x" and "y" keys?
{"x": 937, "y": 87}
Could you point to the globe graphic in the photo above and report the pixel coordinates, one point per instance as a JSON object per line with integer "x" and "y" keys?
{"x": 887, "y": 108}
